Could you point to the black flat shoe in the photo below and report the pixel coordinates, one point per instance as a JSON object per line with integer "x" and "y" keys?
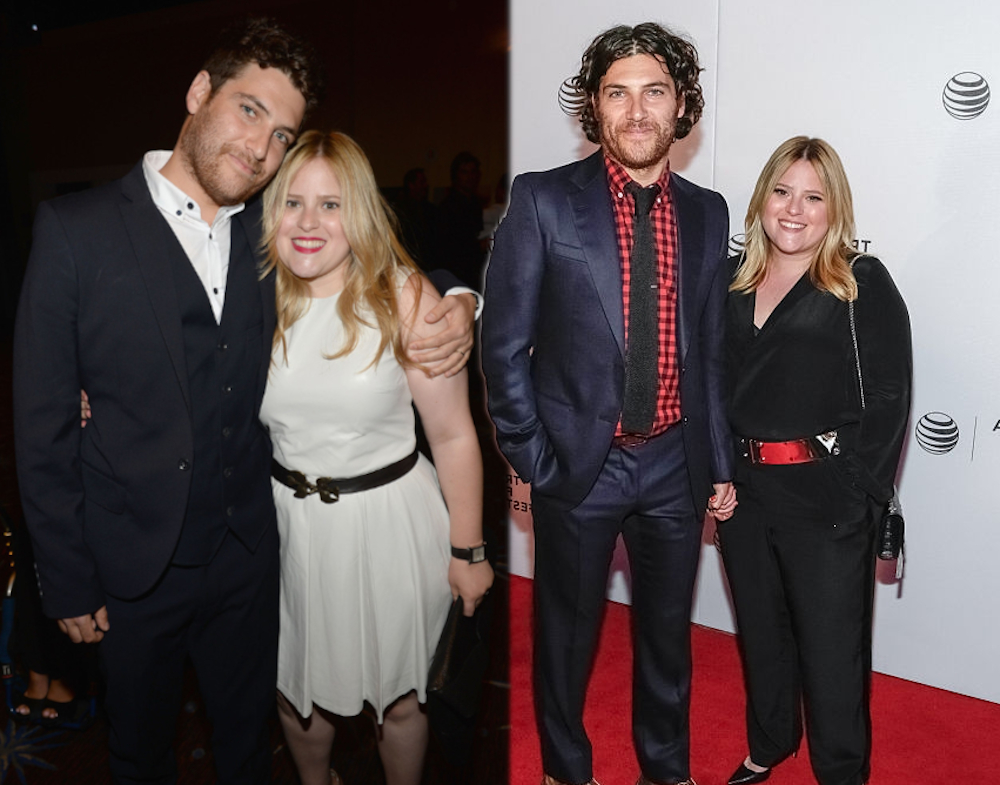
{"x": 745, "y": 776}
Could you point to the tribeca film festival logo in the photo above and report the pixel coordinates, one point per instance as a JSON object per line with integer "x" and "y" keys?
{"x": 737, "y": 243}
{"x": 966, "y": 95}
{"x": 937, "y": 433}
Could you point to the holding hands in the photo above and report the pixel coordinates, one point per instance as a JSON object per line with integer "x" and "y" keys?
{"x": 722, "y": 504}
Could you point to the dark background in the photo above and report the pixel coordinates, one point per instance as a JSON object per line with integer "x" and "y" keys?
{"x": 99, "y": 84}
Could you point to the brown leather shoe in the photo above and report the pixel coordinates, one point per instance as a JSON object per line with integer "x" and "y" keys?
{"x": 548, "y": 779}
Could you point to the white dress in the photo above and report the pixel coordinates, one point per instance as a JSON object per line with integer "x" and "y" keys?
{"x": 364, "y": 581}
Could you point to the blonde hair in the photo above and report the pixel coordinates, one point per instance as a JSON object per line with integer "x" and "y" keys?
{"x": 371, "y": 282}
{"x": 830, "y": 270}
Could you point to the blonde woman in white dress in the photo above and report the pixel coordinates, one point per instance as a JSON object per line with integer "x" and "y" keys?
{"x": 367, "y": 578}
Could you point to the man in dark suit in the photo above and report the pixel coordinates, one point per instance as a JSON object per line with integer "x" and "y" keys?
{"x": 154, "y": 528}
{"x": 602, "y": 347}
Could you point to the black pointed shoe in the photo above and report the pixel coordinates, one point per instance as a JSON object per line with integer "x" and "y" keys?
{"x": 745, "y": 776}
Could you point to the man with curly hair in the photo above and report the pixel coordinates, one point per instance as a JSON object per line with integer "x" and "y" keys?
{"x": 602, "y": 347}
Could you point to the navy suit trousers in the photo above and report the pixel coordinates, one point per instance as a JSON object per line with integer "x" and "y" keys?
{"x": 643, "y": 493}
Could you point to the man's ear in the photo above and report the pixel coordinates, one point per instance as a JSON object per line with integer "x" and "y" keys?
{"x": 199, "y": 91}
{"x": 681, "y": 105}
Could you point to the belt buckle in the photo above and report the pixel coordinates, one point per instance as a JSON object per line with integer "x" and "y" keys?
{"x": 631, "y": 440}
{"x": 328, "y": 492}
{"x": 753, "y": 450}
{"x": 829, "y": 442}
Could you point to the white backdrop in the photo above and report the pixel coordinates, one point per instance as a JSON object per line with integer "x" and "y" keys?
{"x": 870, "y": 77}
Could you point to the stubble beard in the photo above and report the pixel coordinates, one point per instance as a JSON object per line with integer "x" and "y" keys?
{"x": 641, "y": 155}
{"x": 204, "y": 161}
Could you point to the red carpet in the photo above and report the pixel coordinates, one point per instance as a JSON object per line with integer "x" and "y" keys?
{"x": 921, "y": 735}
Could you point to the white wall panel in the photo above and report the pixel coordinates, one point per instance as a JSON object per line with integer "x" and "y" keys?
{"x": 868, "y": 76}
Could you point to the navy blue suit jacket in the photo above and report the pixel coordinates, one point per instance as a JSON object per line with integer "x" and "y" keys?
{"x": 553, "y": 330}
{"x": 99, "y": 311}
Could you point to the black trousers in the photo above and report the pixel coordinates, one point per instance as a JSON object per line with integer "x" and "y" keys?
{"x": 644, "y": 493}
{"x": 800, "y": 557}
{"x": 224, "y": 615}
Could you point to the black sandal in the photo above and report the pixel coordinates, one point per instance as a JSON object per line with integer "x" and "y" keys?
{"x": 73, "y": 714}
{"x": 35, "y": 706}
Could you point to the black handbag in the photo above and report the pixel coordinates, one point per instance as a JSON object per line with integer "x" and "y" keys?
{"x": 455, "y": 678}
{"x": 460, "y": 659}
{"x": 891, "y": 525}
{"x": 890, "y": 530}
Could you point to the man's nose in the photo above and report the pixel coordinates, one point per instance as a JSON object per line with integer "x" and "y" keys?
{"x": 258, "y": 142}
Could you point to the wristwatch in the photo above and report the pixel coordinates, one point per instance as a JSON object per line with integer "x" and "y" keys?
{"x": 471, "y": 555}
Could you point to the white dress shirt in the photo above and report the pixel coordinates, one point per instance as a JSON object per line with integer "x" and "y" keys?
{"x": 207, "y": 246}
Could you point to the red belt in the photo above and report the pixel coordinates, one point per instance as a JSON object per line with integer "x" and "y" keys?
{"x": 808, "y": 450}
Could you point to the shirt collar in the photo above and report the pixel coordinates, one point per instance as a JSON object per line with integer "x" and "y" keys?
{"x": 171, "y": 199}
{"x": 618, "y": 178}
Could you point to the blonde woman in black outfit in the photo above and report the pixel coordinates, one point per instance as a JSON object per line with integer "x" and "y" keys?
{"x": 816, "y": 467}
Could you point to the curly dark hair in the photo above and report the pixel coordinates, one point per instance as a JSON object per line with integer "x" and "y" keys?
{"x": 577, "y": 94}
{"x": 262, "y": 41}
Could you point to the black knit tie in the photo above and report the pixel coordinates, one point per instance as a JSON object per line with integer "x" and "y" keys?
{"x": 642, "y": 354}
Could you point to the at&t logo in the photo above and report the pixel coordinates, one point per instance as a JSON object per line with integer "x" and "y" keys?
{"x": 966, "y": 95}
{"x": 937, "y": 433}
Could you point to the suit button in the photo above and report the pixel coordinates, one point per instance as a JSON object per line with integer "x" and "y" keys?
{"x": 227, "y": 472}
{"x": 223, "y": 346}
{"x": 227, "y": 432}
{"x": 230, "y": 511}
{"x": 226, "y": 389}
{"x": 183, "y": 464}
{"x": 684, "y": 420}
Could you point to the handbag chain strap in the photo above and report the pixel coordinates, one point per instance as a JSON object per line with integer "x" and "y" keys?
{"x": 854, "y": 339}
{"x": 894, "y": 504}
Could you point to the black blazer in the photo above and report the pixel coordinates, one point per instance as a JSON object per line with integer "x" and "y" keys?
{"x": 553, "y": 330}
{"x": 99, "y": 311}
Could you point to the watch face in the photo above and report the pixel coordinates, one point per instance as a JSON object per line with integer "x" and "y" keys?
{"x": 478, "y": 554}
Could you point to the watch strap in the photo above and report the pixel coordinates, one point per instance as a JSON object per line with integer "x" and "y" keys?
{"x": 471, "y": 555}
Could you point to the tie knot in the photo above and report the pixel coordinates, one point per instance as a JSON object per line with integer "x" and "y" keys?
{"x": 644, "y": 197}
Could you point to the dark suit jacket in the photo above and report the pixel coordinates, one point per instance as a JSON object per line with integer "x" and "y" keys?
{"x": 553, "y": 330}
{"x": 99, "y": 311}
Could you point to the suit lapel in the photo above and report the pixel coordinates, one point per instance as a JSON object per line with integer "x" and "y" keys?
{"x": 691, "y": 243}
{"x": 595, "y": 222}
{"x": 146, "y": 230}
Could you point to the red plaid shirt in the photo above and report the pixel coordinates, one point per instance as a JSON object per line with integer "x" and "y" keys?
{"x": 668, "y": 399}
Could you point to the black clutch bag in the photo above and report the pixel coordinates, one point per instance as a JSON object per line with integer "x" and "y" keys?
{"x": 455, "y": 680}
{"x": 460, "y": 659}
